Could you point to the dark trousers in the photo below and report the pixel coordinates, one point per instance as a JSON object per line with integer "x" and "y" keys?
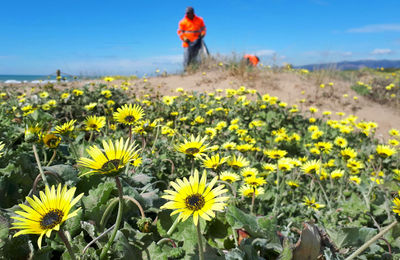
{"x": 191, "y": 53}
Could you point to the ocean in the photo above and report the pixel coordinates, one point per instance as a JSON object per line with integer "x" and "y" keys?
{"x": 25, "y": 78}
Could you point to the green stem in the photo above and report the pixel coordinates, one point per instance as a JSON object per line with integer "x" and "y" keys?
{"x": 118, "y": 220}
{"x": 230, "y": 186}
{"x": 61, "y": 234}
{"x": 371, "y": 241}
{"x": 52, "y": 158}
{"x": 172, "y": 228}
{"x": 155, "y": 139}
{"x": 277, "y": 189}
{"x": 39, "y": 165}
{"x": 130, "y": 134}
{"x": 107, "y": 212}
{"x": 199, "y": 236}
{"x": 235, "y": 237}
{"x": 91, "y": 136}
{"x": 253, "y": 197}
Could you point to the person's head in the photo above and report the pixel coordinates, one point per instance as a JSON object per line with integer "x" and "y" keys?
{"x": 190, "y": 13}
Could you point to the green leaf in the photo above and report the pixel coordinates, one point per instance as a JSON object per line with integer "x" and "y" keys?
{"x": 287, "y": 253}
{"x": 238, "y": 219}
{"x": 95, "y": 203}
{"x": 68, "y": 173}
{"x": 351, "y": 236}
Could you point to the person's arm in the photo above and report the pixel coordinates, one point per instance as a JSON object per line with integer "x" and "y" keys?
{"x": 181, "y": 29}
{"x": 203, "y": 29}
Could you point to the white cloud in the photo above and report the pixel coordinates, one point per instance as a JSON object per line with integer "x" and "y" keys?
{"x": 381, "y": 51}
{"x": 171, "y": 63}
{"x": 325, "y": 53}
{"x": 265, "y": 52}
{"x": 376, "y": 28}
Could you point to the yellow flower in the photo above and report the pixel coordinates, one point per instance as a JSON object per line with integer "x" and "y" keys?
{"x": 90, "y": 106}
{"x": 385, "y": 150}
{"x": 64, "y": 95}
{"x": 337, "y": 174}
{"x": 194, "y": 146}
{"x": 47, "y": 213}
{"x": 112, "y": 161}
{"x": 95, "y": 123}
{"x": 394, "y": 132}
{"x": 229, "y": 177}
{"x": 128, "y": 114}
{"x": 275, "y": 154}
{"x": 348, "y": 153}
{"x": 292, "y": 184}
{"x": 340, "y": 141}
{"x": 311, "y": 167}
{"x": 43, "y": 94}
{"x": 247, "y": 191}
{"x": 355, "y": 179}
{"x": 77, "y": 92}
{"x": 396, "y": 207}
{"x": 229, "y": 146}
{"x": 51, "y": 140}
{"x": 1, "y": 148}
{"x": 285, "y": 164}
{"x": 313, "y": 110}
{"x": 65, "y": 128}
{"x": 238, "y": 162}
{"x": 214, "y": 162}
{"x": 311, "y": 203}
{"x": 195, "y": 197}
{"x": 254, "y": 181}
{"x": 168, "y": 100}
{"x": 247, "y": 172}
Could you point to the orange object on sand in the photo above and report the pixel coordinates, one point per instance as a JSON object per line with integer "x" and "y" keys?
{"x": 191, "y": 29}
{"x": 251, "y": 59}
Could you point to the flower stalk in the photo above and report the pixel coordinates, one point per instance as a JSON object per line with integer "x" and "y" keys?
{"x": 201, "y": 248}
{"x": 64, "y": 238}
{"x": 118, "y": 220}
{"x": 39, "y": 165}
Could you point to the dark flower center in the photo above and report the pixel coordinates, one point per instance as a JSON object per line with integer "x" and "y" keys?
{"x": 51, "y": 219}
{"x": 195, "y": 202}
{"x": 192, "y": 150}
{"x": 111, "y": 165}
{"x": 93, "y": 126}
{"x": 129, "y": 119}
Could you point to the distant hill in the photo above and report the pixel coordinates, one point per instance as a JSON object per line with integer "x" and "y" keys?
{"x": 353, "y": 65}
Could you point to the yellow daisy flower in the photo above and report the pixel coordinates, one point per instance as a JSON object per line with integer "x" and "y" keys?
{"x": 385, "y": 150}
{"x": 128, "y": 114}
{"x": 238, "y": 162}
{"x": 47, "y": 213}
{"x": 195, "y": 197}
{"x": 112, "y": 161}
{"x": 229, "y": 176}
{"x": 254, "y": 181}
{"x": 275, "y": 154}
{"x": 247, "y": 191}
{"x": 1, "y": 148}
{"x": 95, "y": 123}
{"x": 194, "y": 146}
{"x": 65, "y": 128}
{"x": 51, "y": 140}
{"x": 310, "y": 202}
{"x": 214, "y": 162}
{"x": 337, "y": 174}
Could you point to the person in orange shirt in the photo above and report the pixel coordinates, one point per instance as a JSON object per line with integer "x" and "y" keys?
{"x": 251, "y": 60}
{"x": 191, "y": 31}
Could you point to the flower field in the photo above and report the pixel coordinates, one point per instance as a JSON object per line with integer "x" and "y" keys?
{"x": 99, "y": 172}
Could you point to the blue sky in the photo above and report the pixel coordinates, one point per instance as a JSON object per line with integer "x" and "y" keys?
{"x": 129, "y": 37}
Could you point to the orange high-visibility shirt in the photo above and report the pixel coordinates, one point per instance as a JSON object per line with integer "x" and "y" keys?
{"x": 191, "y": 29}
{"x": 252, "y": 59}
